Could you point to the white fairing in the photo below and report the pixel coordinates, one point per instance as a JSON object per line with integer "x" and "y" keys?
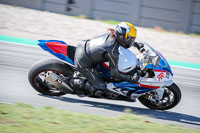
{"x": 127, "y": 60}
{"x": 161, "y": 79}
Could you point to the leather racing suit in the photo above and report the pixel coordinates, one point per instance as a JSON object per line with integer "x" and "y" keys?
{"x": 91, "y": 52}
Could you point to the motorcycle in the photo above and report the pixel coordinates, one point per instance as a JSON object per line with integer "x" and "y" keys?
{"x": 155, "y": 89}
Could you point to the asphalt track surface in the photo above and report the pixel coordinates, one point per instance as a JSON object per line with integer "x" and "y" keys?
{"x": 16, "y": 60}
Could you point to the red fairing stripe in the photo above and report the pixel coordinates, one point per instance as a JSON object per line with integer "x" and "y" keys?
{"x": 148, "y": 86}
{"x": 57, "y": 47}
{"x": 159, "y": 70}
{"x": 106, "y": 66}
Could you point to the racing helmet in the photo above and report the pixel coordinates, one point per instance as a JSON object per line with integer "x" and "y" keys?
{"x": 125, "y": 34}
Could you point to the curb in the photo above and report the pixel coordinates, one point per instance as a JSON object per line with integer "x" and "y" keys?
{"x": 184, "y": 64}
{"x": 25, "y": 41}
{"x": 18, "y": 40}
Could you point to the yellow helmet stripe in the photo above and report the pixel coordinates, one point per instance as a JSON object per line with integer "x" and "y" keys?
{"x": 132, "y": 31}
{"x": 126, "y": 36}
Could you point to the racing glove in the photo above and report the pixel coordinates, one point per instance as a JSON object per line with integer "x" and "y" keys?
{"x": 141, "y": 73}
{"x": 139, "y": 46}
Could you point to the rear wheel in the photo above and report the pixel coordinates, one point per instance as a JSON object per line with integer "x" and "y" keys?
{"x": 39, "y": 70}
{"x": 171, "y": 97}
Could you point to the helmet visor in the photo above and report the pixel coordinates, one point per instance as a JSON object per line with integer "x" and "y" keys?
{"x": 130, "y": 40}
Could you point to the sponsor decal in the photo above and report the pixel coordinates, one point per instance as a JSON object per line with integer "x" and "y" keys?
{"x": 160, "y": 76}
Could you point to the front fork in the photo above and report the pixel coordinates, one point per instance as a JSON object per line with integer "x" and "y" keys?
{"x": 159, "y": 96}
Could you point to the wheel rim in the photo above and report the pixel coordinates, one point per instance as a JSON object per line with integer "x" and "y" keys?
{"x": 166, "y": 101}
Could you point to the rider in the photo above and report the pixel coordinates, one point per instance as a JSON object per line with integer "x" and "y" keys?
{"x": 104, "y": 48}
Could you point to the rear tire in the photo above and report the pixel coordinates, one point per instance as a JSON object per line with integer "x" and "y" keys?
{"x": 44, "y": 66}
{"x": 177, "y": 97}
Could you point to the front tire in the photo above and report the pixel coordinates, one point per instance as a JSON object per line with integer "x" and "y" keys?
{"x": 174, "y": 89}
{"x": 43, "y": 66}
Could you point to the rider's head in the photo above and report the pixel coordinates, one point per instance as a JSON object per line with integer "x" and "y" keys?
{"x": 125, "y": 34}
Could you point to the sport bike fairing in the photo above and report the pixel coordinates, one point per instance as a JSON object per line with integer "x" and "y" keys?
{"x": 57, "y": 48}
{"x": 127, "y": 62}
{"x": 163, "y": 64}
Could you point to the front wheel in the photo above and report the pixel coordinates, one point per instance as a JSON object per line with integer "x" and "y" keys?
{"x": 171, "y": 97}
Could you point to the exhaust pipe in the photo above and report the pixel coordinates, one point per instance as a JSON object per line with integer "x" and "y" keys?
{"x": 57, "y": 82}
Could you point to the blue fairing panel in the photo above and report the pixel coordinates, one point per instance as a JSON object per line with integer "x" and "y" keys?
{"x": 42, "y": 44}
{"x": 132, "y": 87}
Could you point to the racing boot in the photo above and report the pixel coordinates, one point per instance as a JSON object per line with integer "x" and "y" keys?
{"x": 93, "y": 91}
{"x": 98, "y": 93}
{"x": 134, "y": 79}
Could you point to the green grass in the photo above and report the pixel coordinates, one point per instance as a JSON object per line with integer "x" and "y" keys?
{"x": 22, "y": 118}
{"x": 111, "y": 22}
{"x": 156, "y": 28}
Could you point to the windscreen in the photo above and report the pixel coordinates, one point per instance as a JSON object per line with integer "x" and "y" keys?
{"x": 157, "y": 58}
